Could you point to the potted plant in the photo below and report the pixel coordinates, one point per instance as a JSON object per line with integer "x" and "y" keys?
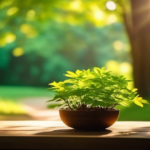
{"x": 88, "y": 98}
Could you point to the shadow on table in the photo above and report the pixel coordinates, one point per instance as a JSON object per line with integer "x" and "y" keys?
{"x": 137, "y": 131}
{"x": 74, "y": 132}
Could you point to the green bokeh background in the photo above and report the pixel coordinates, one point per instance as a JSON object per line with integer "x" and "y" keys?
{"x": 40, "y": 41}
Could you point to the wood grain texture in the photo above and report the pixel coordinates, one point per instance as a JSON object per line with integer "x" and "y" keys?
{"x": 55, "y": 135}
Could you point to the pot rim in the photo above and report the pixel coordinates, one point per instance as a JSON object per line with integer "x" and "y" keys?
{"x": 118, "y": 110}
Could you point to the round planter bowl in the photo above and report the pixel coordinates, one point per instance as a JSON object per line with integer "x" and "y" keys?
{"x": 89, "y": 120}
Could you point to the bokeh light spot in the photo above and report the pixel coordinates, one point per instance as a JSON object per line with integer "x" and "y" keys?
{"x": 18, "y": 52}
{"x": 75, "y": 5}
{"x": 111, "y": 19}
{"x": 118, "y": 45}
{"x": 125, "y": 67}
{"x": 98, "y": 15}
{"x": 9, "y": 37}
{"x": 31, "y": 13}
{"x": 28, "y": 30}
{"x": 111, "y": 5}
{"x": 12, "y": 11}
{"x": 25, "y": 28}
{"x": 113, "y": 66}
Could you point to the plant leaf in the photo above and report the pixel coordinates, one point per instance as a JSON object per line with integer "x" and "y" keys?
{"x": 97, "y": 70}
{"x": 78, "y": 72}
{"x": 124, "y": 103}
{"x": 138, "y": 103}
{"x": 54, "y": 105}
{"x": 96, "y": 87}
{"x": 72, "y": 74}
{"x": 144, "y": 101}
{"x": 135, "y": 89}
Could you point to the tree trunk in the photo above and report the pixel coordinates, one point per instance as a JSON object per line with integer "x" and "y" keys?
{"x": 139, "y": 35}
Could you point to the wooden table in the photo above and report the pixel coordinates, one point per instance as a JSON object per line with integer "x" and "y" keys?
{"x": 43, "y": 135}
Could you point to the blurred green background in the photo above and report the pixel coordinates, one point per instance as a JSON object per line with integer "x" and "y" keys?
{"x": 41, "y": 40}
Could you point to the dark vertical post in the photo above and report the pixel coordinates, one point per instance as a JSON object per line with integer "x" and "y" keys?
{"x": 139, "y": 34}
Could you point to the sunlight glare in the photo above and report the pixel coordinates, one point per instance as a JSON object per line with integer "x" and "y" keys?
{"x": 98, "y": 15}
{"x": 75, "y": 4}
{"x": 111, "y": 5}
{"x": 125, "y": 67}
{"x": 113, "y": 66}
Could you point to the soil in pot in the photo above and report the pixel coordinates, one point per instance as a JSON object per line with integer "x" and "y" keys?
{"x": 94, "y": 118}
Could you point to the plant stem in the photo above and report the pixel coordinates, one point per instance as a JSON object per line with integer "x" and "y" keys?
{"x": 68, "y": 104}
{"x": 66, "y": 101}
{"x": 113, "y": 106}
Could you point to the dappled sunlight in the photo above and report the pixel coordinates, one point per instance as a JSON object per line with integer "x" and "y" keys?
{"x": 7, "y": 106}
{"x": 38, "y": 114}
{"x": 27, "y": 110}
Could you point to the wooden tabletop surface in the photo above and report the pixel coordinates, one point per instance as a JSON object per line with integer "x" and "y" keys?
{"x": 55, "y": 135}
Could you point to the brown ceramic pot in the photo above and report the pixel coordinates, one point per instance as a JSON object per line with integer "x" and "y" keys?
{"x": 89, "y": 120}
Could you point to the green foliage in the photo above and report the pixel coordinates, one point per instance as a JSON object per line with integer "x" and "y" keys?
{"x": 55, "y": 36}
{"x": 94, "y": 88}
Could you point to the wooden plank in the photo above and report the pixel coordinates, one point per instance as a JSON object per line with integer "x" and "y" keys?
{"x": 55, "y": 135}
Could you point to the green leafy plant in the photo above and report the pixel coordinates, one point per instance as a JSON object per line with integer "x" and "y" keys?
{"x": 94, "y": 89}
